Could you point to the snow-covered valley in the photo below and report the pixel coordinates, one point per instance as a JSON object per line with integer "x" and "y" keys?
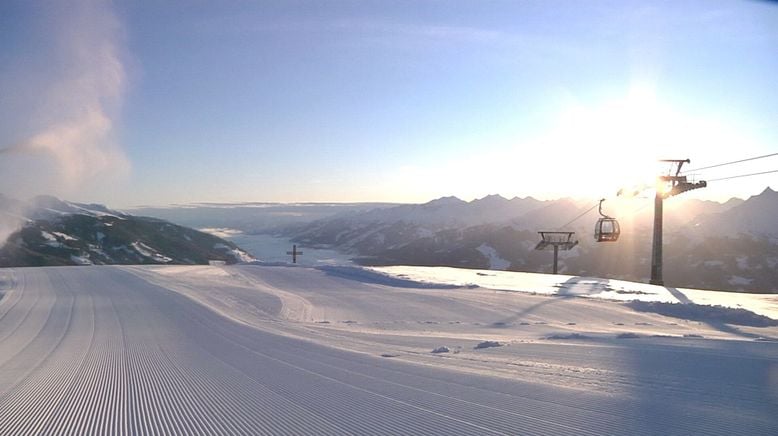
{"x": 256, "y": 349}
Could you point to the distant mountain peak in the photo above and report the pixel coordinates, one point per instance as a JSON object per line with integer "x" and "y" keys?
{"x": 766, "y": 195}
{"x": 493, "y": 198}
{"x": 445, "y": 201}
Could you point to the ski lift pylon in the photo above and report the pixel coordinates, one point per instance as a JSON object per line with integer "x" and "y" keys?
{"x": 559, "y": 240}
{"x": 607, "y": 228}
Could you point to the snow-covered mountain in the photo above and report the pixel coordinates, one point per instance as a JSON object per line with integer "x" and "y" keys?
{"x": 755, "y": 216}
{"x": 448, "y": 212}
{"x": 732, "y": 245}
{"x": 436, "y": 221}
{"x": 49, "y": 231}
{"x": 47, "y": 207}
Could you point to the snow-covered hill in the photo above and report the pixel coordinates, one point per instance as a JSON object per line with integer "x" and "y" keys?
{"x": 49, "y": 231}
{"x": 255, "y": 349}
{"x": 735, "y": 304}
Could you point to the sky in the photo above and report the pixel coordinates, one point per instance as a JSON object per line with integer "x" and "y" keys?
{"x": 150, "y": 103}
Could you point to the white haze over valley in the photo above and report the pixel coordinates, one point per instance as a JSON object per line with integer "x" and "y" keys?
{"x": 271, "y": 249}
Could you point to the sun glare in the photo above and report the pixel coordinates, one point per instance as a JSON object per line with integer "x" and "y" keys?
{"x": 616, "y": 144}
{"x": 609, "y": 146}
{"x": 590, "y": 150}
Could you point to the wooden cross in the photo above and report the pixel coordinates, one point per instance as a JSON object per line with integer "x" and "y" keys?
{"x": 294, "y": 253}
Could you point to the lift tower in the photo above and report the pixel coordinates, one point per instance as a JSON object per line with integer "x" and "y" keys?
{"x": 559, "y": 240}
{"x": 667, "y": 186}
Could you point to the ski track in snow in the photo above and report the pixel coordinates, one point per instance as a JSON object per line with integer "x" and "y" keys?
{"x": 99, "y": 350}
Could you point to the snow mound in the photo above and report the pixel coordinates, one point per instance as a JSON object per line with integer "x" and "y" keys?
{"x": 699, "y": 312}
{"x": 563, "y": 336}
{"x": 487, "y": 344}
{"x": 365, "y": 275}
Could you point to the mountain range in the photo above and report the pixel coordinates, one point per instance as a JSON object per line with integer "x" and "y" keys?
{"x": 731, "y": 245}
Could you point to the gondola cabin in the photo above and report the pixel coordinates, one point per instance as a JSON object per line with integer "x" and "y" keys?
{"x": 607, "y": 228}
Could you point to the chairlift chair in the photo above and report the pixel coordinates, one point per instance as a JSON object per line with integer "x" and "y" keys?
{"x": 607, "y": 228}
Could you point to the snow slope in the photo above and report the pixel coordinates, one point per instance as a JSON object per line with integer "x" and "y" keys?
{"x": 291, "y": 350}
{"x": 590, "y": 287}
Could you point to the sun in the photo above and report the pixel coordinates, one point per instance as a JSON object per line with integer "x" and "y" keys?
{"x": 600, "y": 148}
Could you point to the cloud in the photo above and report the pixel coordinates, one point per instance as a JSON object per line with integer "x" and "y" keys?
{"x": 75, "y": 102}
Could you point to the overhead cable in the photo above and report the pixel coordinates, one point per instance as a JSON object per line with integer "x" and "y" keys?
{"x": 733, "y": 162}
{"x": 742, "y": 175}
{"x": 579, "y": 216}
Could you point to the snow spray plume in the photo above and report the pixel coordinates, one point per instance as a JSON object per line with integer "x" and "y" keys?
{"x": 11, "y": 218}
{"x": 68, "y": 138}
{"x": 77, "y": 104}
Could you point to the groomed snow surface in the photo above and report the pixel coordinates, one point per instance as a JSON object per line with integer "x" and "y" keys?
{"x": 256, "y": 349}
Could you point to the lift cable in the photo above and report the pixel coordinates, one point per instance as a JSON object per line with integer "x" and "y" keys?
{"x": 743, "y": 175}
{"x": 688, "y": 171}
{"x": 580, "y": 216}
{"x": 730, "y": 163}
{"x": 639, "y": 209}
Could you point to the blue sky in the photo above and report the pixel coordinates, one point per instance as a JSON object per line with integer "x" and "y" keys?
{"x": 381, "y": 101}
